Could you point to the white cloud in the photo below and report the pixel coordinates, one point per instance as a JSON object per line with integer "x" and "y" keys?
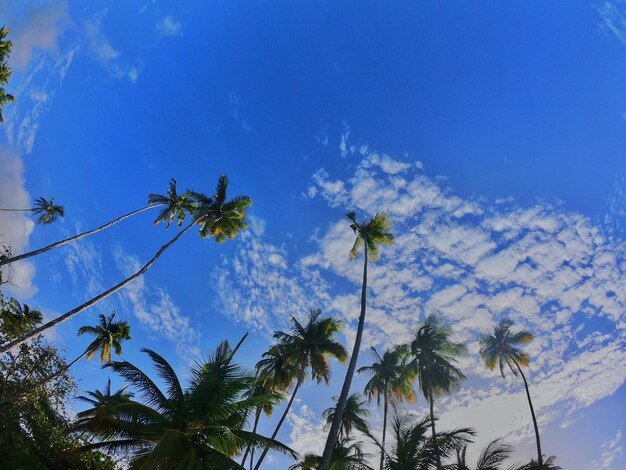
{"x": 613, "y": 16}
{"x": 612, "y": 455}
{"x": 168, "y": 26}
{"x": 156, "y": 310}
{"x": 101, "y": 49}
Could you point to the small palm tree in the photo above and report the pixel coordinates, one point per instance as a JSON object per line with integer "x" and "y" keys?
{"x": 306, "y": 349}
{"x": 549, "y": 464}
{"x": 434, "y": 358}
{"x": 391, "y": 380}
{"x": 223, "y": 219}
{"x": 109, "y": 337}
{"x": 354, "y": 416}
{"x": 347, "y": 455}
{"x": 369, "y": 235}
{"x": 490, "y": 458}
{"x": 199, "y": 427}
{"x": 176, "y": 206}
{"x": 47, "y": 211}
{"x": 20, "y": 318}
{"x": 502, "y": 347}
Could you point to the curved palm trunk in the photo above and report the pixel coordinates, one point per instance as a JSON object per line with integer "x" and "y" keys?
{"x": 282, "y": 418}
{"x": 45, "y": 380}
{"x": 345, "y": 390}
{"x": 432, "y": 428}
{"x": 385, "y": 409}
{"x": 257, "y": 418}
{"x": 532, "y": 412}
{"x": 66, "y": 316}
{"x": 74, "y": 238}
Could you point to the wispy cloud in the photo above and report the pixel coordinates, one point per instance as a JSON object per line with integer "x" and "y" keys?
{"x": 101, "y": 49}
{"x": 612, "y": 453}
{"x": 168, "y": 26}
{"x": 613, "y": 14}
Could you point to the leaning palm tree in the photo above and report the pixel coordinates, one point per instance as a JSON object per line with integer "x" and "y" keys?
{"x": 197, "y": 427}
{"x": 109, "y": 336}
{"x": 502, "y": 348}
{"x": 218, "y": 219}
{"x": 490, "y": 458}
{"x": 47, "y": 211}
{"x": 369, "y": 235}
{"x": 306, "y": 349}
{"x": 175, "y": 206}
{"x": 354, "y": 416}
{"x": 434, "y": 358}
{"x": 391, "y": 381}
{"x": 412, "y": 449}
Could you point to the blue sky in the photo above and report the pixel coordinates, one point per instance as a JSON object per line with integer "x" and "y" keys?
{"x": 493, "y": 133}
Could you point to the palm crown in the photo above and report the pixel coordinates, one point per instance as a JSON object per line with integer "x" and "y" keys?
{"x": 177, "y": 206}
{"x": 354, "y": 416}
{"x": 47, "y": 211}
{"x": 391, "y": 375}
{"x": 502, "y": 347}
{"x": 370, "y": 234}
{"x": 109, "y": 337}
{"x": 20, "y": 317}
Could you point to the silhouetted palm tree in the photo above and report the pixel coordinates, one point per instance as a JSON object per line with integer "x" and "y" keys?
{"x": 369, "y": 236}
{"x": 20, "y": 317}
{"x": 391, "y": 380}
{"x": 354, "y": 416}
{"x": 501, "y": 348}
{"x": 490, "y": 458}
{"x": 195, "y": 428}
{"x": 434, "y": 358}
{"x": 218, "y": 219}
{"x": 176, "y": 207}
{"x": 306, "y": 349}
{"x": 347, "y": 455}
{"x": 47, "y": 211}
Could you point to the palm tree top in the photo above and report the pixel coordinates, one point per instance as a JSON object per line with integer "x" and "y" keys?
{"x": 370, "y": 234}
{"x": 354, "y": 415}
{"x": 177, "y": 206}
{"x": 502, "y": 347}
{"x": 109, "y": 336}
{"x": 48, "y": 211}
{"x": 390, "y": 373}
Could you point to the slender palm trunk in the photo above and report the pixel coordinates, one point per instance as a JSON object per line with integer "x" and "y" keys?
{"x": 16, "y": 210}
{"x": 39, "y": 383}
{"x": 282, "y": 418}
{"x": 345, "y": 390}
{"x": 532, "y": 412}
{"x": 432, "y": 428}
{"x": 75, "y": 237}
{"x": 385, "y": 409}
{"x": 257, "y": 418}
{"x": 66, "y": 316}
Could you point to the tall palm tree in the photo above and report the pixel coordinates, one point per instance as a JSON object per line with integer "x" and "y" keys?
{"x": 434, "y": 358}
{"x": 369, "y": 235}
{"x": 109, "y": 337}
{"x": 306, "y": 349}
{"x": 502, "y": 347}
{"x": 199, "y": 427}
{"x": 391, "y": 380}
{"x": 47, "y": 211}
{"x": 354, "y": 416}
{"x": 412, "y": 449}
{"x": 490, "y": 458}
{"x": 223, "y": 219}
{"x": 176, "y": 207}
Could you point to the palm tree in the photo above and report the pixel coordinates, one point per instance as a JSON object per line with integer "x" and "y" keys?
{"x": 224, "y": 219}
{"x": 490, "y": 458}
{"x": 347, "y": 455}
{"x": 20, "y": 317}
{"x": 549, "y": 464}
{"x": 354, "y": 416}
{"x": 47, "y": 211}
{"x": 176, "y": 207}
{"x": 391, "y": 380}
{"x": 199, "y": 427}
{"x": 369, "y": 235}
{"x": 109, "y": 337}
{"x": 501, "y": 348}
{"x": 5, "y": 70}
{"x": 434, "y": 356}
{"x": 306, "y": 349}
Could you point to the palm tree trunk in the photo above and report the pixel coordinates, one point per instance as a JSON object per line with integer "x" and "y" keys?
{"x": 75, "y": 237}
{"x": 13, "y": 398}
{"x": 385, "y": 409}
{"x": 345, "y": 390}
{"x": 257, "y": 418}
{"x": 282, "y": 418}
{"x": 532, "y": 412}
{"x": 432, "y": 428}
{"x": 66, "y": 316}
{"x": 16, "y": 210}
